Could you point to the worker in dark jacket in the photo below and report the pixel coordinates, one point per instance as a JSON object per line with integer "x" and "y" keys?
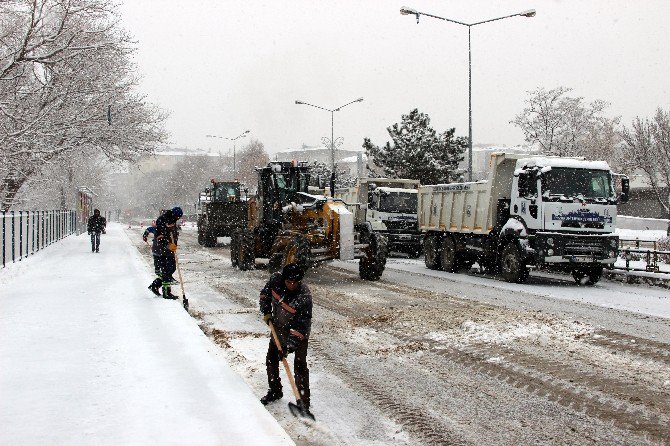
{"x": 96, "y": 225}
{"x": 163, "y": 249}
{"x": 287, "y": 302}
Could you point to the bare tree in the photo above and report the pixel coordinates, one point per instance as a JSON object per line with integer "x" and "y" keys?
{"x": 251, "y": 156}
{"x": 647, "y": 146}
{"x": 66, "y": 86}
{"x": 565, "y": 126}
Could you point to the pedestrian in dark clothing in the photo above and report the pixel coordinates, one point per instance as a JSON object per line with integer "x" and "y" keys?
{"x": 287, "y": 302}
{"x": 96, "y": 225}
{"x": 163, "y": 249}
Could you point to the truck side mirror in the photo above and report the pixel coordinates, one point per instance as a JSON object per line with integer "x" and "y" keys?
{"x": 625, "y": 188}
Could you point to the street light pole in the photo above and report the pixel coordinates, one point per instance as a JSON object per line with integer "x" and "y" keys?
{"x": 242, "y": 135}
{"x": 332, "y": 136}
{"x": 409, "y": 11}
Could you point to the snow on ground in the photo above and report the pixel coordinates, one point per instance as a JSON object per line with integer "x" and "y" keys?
{"x": 637, "y": 299}
{"x": 89, "y": 356}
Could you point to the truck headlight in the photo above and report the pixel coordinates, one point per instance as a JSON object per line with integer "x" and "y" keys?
{"x": 613, "y": 243}
{"x": 612, "y": 254}
{"x": 550, "y": 252}
{"x": 550, "y": 241}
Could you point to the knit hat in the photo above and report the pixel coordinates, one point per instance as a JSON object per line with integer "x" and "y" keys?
{"x": 177, "y": 212}
{"x": 292, "y": 272}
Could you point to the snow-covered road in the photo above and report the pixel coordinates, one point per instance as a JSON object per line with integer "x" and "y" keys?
{"x": 428, "y": 357}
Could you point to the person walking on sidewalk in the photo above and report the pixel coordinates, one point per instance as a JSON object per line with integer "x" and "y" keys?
{"x": 163, "y": 249}
{"x": 96, "y": 225}
{"x": 287, "y": 302}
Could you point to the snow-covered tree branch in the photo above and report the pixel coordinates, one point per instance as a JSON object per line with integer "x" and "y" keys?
{"x": 67, "y": 86}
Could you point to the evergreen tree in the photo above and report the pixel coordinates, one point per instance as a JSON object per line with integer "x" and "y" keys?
{"x": 418, "y": 152}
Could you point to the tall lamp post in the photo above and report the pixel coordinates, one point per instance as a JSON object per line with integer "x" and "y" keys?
{"x": 332, "y": 136}
{"x": 409, "y": 11}
{"x": 233, "y": 140}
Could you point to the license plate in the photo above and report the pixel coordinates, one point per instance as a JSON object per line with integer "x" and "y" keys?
{"x": 574, "y": 259}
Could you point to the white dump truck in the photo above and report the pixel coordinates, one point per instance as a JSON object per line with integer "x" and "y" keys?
{"x": 389, "y": 206}
{"x": 532, "y": 211}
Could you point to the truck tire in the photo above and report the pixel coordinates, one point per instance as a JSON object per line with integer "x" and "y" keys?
{"x": 431, "y": 252}
{"x": 247, "y": 254}
{"x": 371, "y": 267}
{"x": 448, "y": 255}
{"x": 297, "y": 251}
{"x": 209, "y": 240}
{"x": 235, "y": 249}
{"x": 512, "y": 266}
{"x": 587, "y": 275}
{"x": 201, "y": 237}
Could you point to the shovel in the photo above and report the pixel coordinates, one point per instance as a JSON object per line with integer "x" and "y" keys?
{"x": 298, "y": 409}
{"x": 184, "y": 300}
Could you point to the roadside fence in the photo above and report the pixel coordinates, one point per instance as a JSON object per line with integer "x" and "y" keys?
{"x": 26, "y": 232}
{"x": 646, "y": 250}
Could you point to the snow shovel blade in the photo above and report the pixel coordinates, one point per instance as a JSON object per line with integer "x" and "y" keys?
{"x": 298, "y": 410}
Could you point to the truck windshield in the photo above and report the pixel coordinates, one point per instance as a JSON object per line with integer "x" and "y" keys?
{"x": 398, "y": 202}
{"x": 223, "y": 193}
{"x": 568, "y": 183}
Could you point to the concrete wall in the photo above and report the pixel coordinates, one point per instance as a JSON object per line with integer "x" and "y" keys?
{"x": 641, "y": 224}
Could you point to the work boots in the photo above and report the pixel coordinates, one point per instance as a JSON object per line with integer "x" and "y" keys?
{"x": 155, "y": 285}
{"x": 167, "y": 293}
{"x": 272, "y": 395}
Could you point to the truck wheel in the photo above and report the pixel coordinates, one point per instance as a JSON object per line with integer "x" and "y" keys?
{"x": 512, "y": 266}
{"x": 587, "y": 275}
{"x": 371, "y": 267}
{"x": 235, "y": 249}
{"x": 208, "y": 239}
{"x": 201, "y": 237}
{"x": 448, "y": 255}
{"x": 431, "y": 252}
{"x": 247, "y": 254}
{"x": 297, "y": 251}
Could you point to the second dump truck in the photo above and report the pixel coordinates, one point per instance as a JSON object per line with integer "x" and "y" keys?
{"x": 388, "y": 206}
{"x": 542, "y": 212}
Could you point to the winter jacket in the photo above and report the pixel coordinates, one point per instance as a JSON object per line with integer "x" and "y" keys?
{"x": 291, "y": 310}
{"x": 96, "y": 224}
{"x": 166, "y": 232}
{"x": 147, "y": 231}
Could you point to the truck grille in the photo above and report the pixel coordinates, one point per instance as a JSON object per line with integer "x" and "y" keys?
{"x": 401, "y": 225}
{"x": 596, "y": 246}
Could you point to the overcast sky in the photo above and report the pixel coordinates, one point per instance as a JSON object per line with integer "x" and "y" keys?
{"x": 222, "y": 67}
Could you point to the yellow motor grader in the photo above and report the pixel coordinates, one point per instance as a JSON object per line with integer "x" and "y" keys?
{"x": 287, "y": 224}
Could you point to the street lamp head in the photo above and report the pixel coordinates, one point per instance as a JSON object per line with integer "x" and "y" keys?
{"x": 359, "y": 100}
{"x": 408, "y": 11}
{"x": 246, "y": 131}
{"x": 529, "y": 13}
{"x": 299, "y": 102}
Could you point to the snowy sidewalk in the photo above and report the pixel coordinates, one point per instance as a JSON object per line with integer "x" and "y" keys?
{"x": 88, "y": 356}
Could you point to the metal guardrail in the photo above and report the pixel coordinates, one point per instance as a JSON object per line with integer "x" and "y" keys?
{"x": 647, "y": 250}
{"x": 26, "y": 232}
